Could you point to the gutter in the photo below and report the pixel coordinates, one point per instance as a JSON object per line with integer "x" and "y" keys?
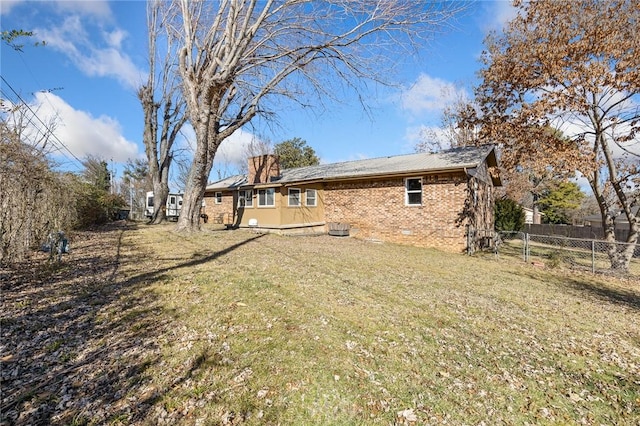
{"x": 368, "y": 176}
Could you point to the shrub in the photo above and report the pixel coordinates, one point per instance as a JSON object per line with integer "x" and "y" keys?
{"x": 509, "y": 215}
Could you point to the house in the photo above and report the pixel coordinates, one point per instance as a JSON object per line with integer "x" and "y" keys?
{"x": 531, "y": 216}
{"x": 620, "y": 220}
{"x": 424, "y": 199}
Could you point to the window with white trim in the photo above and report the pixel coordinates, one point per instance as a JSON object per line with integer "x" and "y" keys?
{"x": 218, "y": 197}
{"x": 310, "y": 199}
{"x": 413, "y": 191}
{"x": 266, "y": 197}
{"x": 294, "y": 197}
{"x": 245, "y": 198}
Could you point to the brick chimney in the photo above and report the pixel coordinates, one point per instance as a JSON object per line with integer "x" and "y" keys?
{"x": 263, "y": 167}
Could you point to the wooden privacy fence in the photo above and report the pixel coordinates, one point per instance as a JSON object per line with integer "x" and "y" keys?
{"x": 583, "y": 232}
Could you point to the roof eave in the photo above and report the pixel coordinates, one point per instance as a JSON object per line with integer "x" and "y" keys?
{"x": 407, "y": 173}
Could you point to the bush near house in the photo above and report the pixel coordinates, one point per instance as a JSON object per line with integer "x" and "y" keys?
{"x": 509, "y": 215}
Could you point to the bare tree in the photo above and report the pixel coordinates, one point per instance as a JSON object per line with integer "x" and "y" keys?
{"x": 453, "y": 131}
{"x": 136, "y": 181}
{"x": 257, "y": 146}
{"x": 237, "y": 56}
{"x": 571, "y": 67}
{"x": 163, "y": 107}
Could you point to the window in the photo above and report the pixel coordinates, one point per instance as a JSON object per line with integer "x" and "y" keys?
{"x": 413, "y": 188}
{"x": 245, "y": 198}
{"x": 294, "y": 197}
{"x": 310, "y": 199}
{"x": 218, "y": 197}
{"x": 266, "y": 197}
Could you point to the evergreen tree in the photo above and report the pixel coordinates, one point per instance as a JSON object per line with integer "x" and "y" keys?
{"x": 559, "y": 200}
{"x": 509, "y": 215}
{"x": 295, "y": 153}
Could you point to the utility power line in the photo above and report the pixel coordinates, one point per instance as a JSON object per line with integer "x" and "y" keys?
{"x": 49, "y": 131}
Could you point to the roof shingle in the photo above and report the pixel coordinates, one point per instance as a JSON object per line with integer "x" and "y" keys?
{"x": 458, "y": 158}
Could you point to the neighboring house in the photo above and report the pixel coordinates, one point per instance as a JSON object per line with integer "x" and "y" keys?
{"x": 531, "y": 217}
{"x": 419, "y": 199}
{"x": 620, "y": 220}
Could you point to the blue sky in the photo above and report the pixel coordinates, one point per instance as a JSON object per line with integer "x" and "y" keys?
{"x": 95, "y": 58}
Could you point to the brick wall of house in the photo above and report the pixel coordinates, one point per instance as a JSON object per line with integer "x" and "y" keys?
{"x": 377, "y": 210}
{"x": 216, "y": 212}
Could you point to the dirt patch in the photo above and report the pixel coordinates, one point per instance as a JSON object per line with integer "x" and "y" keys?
{"x": 76, "y": 338}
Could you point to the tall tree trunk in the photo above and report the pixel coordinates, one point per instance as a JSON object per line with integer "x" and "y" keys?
{"x": 189, "y": 220}
{"x": 237, "y": 55}
{"x": 159, "y": 141}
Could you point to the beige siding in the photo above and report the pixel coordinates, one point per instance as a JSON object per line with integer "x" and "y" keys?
{"x": 282, "y": 216}
{"x": 302, "y": 214}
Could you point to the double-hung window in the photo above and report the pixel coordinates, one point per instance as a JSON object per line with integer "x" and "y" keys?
{"x": 294, "y": 197}
{"x": 218, "y": 197}
{"x": 266, "y": 197}
{"x": 310, "y": 198}
{"x": 245, "y": 198}
{"x": 413, "y": 192}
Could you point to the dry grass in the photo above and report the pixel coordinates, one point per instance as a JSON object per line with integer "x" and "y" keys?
{"x": 242, "y": 328}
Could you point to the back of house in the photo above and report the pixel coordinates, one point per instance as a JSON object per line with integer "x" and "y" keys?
{"x": 425, "y": 199}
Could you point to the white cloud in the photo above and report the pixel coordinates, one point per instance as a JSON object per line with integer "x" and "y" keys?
{"x": 7, "y": 5}
{"x": 234, "y": 148}
{"x": 95, "y": 8}
{"x": 430, "y": 95}
{"x": 498, "y": 14}
{"x": 82, "y": 133}
{"x": 429, "y": 136}
{"x": 231, "y": 157}
{"x": 95, "y": 56}
{"x": 115, "y": 38}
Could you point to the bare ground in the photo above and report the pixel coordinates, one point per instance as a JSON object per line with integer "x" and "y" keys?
{"x": 67, "y": 350}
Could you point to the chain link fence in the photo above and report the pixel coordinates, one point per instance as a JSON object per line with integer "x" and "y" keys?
{"x": 562, "y": 252}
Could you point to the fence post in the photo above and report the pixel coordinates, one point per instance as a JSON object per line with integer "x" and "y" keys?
{"x": 593, "y": 256}
{"x": 526, "y": 247}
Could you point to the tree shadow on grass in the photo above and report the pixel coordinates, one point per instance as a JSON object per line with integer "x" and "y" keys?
{"x": 583, "y": 285}
{"x": 624, "y": 297}
{"x": 77, "y": 339}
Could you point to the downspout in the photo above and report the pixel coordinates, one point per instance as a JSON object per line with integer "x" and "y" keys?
{"x": 468, "y": 226}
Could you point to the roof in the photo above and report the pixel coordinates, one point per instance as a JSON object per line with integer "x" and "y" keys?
{"x": 453, "y": 159}
{"x": 459, "y": 158}
{"x": 620, "y": 218}
{"x": 232, "y": 182}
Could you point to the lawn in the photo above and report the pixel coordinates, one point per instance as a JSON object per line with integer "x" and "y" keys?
{"x": 140, "y": 325}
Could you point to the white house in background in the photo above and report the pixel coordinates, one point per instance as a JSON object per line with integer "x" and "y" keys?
{"x": 529, "y": 217}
